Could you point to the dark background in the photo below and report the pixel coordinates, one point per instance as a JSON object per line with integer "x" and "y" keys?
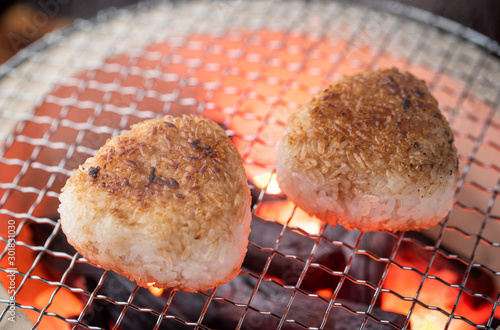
{"x": 480, "y": 15}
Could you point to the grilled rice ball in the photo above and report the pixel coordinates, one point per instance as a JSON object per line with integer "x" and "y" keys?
{"x": 166, "y": 203}
{"x": 371, "y": 152}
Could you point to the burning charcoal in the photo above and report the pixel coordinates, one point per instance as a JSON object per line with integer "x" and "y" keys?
{"x": 328, "y": 255}
{"x": 288, "y": 269}
{"x": 362, "y": 267}
{"x": 223, "y": 313}
{"x": 186, "y": 307}
{"x": 285, "y": 266}
{"x": 119, "y": 288}
{"x": 306, "y": 310}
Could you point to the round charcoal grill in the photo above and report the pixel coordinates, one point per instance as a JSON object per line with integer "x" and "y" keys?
{"x": 247, "y": 66}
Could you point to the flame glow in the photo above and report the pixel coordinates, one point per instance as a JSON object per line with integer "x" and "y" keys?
{"x": 268, "y": 181}
{"x": 326, "y": 293}
{"x": 64, "y": 303}
{"x": 154, "y": 290}
{"x": 38, "y": 293}
{"x": 305, "y": 222}
{"x": 282, "y": 210}
{"x": 433, "y": 293}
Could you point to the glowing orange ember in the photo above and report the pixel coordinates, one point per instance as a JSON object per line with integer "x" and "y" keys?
{"x": 35, "y": 292}
{"x": 326, "y": 293}
{"x": 285, "y": 212}
{"x": 154, "y": 290}
{"x": 64, "y": 304}
{"x": 267, "y": 181}
{"x": 439, "y": 291}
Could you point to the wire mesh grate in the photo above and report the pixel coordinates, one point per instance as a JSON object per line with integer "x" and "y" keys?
{"x": 249, "y": 66}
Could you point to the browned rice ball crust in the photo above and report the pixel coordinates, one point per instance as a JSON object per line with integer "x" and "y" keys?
{"x": 364, "y": 139}
{"x": 166, "y": 202}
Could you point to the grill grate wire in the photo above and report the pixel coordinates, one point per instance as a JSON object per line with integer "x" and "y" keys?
{"x": 28, "y": 83}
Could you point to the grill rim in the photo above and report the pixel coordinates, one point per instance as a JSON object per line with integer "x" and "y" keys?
{"x": 407, "y": 11}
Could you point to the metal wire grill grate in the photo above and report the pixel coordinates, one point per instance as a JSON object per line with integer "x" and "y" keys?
{"x": 248, "y": 66}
